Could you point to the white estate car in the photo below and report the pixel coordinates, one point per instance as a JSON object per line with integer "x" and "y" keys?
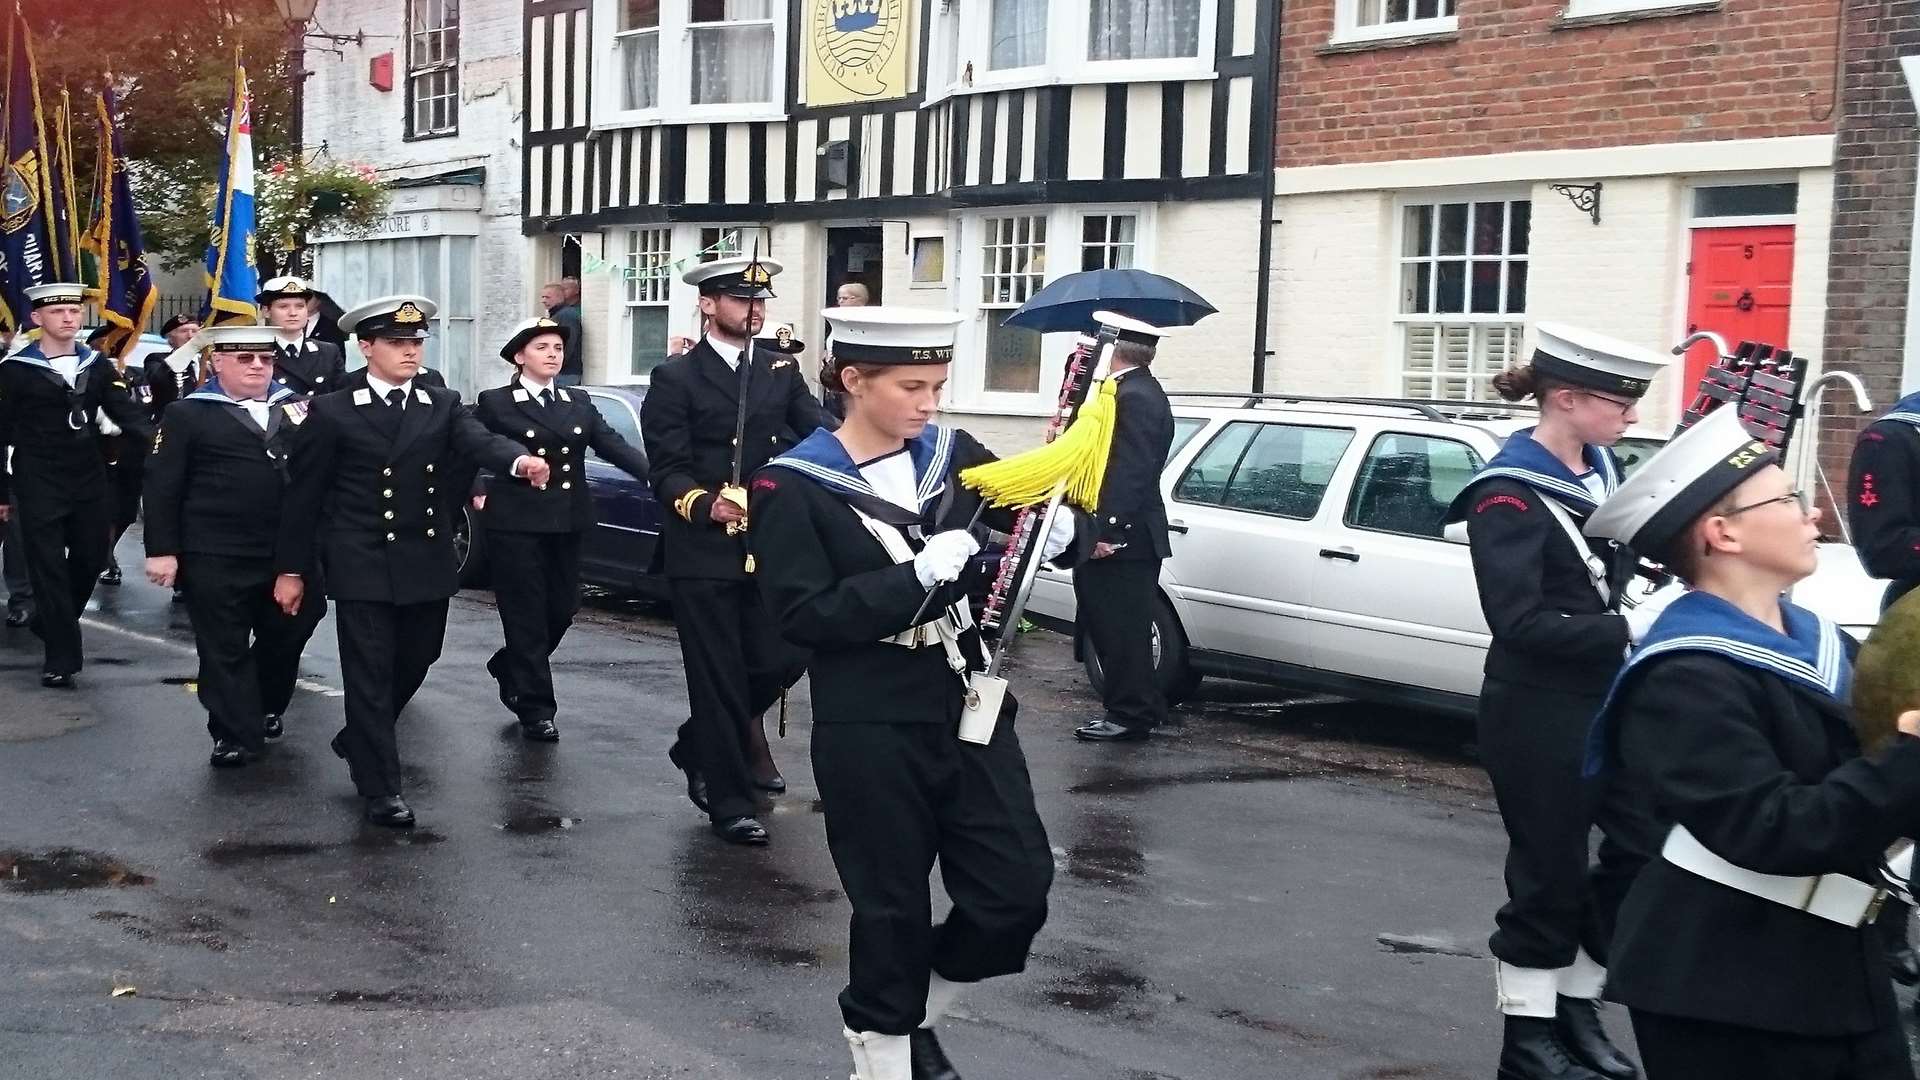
{"x": 1307, "y": 549}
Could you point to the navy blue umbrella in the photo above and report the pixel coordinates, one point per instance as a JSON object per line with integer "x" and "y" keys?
{"x": 1068, "y": 304}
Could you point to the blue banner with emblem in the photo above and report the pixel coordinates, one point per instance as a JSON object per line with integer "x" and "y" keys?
{"x": 232, "y": 278}
{"x": 27, "y": 256}
{"x": 126, "y": 292}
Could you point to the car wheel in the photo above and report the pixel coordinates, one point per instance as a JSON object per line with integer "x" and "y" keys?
{"x": 470, "y": 549}
{"x": 1177, "y": 678}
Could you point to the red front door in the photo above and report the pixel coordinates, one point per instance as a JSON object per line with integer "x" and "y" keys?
{"x": 1741, "y": 288}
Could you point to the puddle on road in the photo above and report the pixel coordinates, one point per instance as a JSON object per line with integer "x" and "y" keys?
{"x": 65, "y": 869}
{"x": 1098, "y": 989}
{"x": 1106, "y": 863}
{"x": 1419, "y": 945}
{"x": 224, "y": 853}
{"x": 197, "y": 929}
{"x": 397, "y": 996}
{"x": 1292, "y": 1032}
{"x": 534, "y": 824}
{"x": 179, "y": 680}
{"x": 1130, "y": 785}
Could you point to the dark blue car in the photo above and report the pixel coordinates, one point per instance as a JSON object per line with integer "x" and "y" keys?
{"x": 615, "y": 553}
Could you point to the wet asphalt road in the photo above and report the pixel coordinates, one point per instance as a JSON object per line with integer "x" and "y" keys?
{"x": 1270, "y": 890}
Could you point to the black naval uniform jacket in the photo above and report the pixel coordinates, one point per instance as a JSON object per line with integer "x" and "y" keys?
{"x": 1883, "y": 502}
{"x": 311, "y": 367}
{"x": 1550, "y": 628}
{"x": 164, "y": 385}
{"x": 56, "y": 464}
{"x": 562, "y": 433}
{"x": 1767, "y": 774}
{"x": 833, "y": 588}
{"x": 378, "y": 504}
{"x": 1131, "y": 509}
{"x": 687, "y": 421}
{"x": 215, "y": 479}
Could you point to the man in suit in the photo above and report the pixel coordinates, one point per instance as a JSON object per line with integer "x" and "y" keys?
{"x": 51, "y": 395}
{"x": 1114, "y": 590}
{"x": 365, "y": 498}
{"x": 213, "y": 499}
{"x": 736, "y": 664}
{"x": 303, "y": 364}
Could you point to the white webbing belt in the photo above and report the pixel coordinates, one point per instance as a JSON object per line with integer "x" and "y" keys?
{"x": 1596, "y": 566}
{"x": 946, "y": 628}
{"x": 1836, "y": 897}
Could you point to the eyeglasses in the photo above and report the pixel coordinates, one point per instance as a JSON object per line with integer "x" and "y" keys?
{"x": 1624, "y": 406}
{"x": 1797, "y": 497}
{"x": 251, "y": 359}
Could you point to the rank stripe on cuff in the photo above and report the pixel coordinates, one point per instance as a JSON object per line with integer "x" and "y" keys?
{"x": 684, "y": 504}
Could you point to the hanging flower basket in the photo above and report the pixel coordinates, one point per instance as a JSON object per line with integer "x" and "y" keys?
{"x": 293, "y": 198}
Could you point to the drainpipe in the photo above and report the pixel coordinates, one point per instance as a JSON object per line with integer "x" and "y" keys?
{"x": 1910, "y": 355}
{"x": 1267, "y": 122}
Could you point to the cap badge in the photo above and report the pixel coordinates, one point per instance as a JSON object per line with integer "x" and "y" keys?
{"x": 408, "y": 313}
{"x": 756, "y": 274}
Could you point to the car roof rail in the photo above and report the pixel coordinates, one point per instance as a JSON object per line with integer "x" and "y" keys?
{"x": 1250, "y": 401}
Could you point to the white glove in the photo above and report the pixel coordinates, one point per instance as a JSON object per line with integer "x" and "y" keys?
{"x": 943, "y": 558}
{"x": 1059, "y": 535}
{"x": 1642, "y": 616}
{"x": 105, "y": 424}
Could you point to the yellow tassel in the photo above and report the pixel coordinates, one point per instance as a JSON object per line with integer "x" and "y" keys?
{"x": 1076, "y": 460}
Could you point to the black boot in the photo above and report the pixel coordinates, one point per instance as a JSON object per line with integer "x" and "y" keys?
{"x": 1532, "y": 1050}
{"x": 929, "y": 1061}
{"x": 1577, "y": 1021}
{"x": 1902, "y": 962}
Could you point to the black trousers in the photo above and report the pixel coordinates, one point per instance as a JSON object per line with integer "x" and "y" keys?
{"x": 66, "y": 548}
{"x": 897, "y": 797}
{"x": 1113, "y": 600}
{"x": 385, "y": 651}
{"x": 13, "y": 565}
{"x": 737, "y": 666}
{"x": 249, "y": 649}
{"x": 1533, "y": 742}
{"x": 1676, "y": 1048}
{"x": 536, "y": 594}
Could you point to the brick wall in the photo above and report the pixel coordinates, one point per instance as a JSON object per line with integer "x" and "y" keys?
{"x": 1873, "y": 215}
{"x": 1514, "y": 78}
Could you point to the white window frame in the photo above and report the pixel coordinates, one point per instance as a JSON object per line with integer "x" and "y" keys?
{"x": 459, "y": 370}
{"x": 419, "y": 72}
{"x": 675, "y": 103}
{"x": 1066, "y": 53}
{"x": 683, "y": 300}
{"x": 654, "y": 289}
{"x": 1578, "y": 9}
{"x": 1475, "y": 321}
{"x": 946, "y": 50}
{"x": 1347, "y": 28}
{"x": 966, "y": 387}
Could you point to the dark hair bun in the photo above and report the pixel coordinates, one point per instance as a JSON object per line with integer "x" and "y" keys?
{"x": 1516, "y": 383}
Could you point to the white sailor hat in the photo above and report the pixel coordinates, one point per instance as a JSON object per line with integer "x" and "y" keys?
{"x": 56, "y": 292}
{"x": 1593, "y": 361}
{"x": 527, "y": 331}
{"x": 891, "y": 335}
{"x": 284, "y": 288}
{"x": 742, "y": 276}
{"x": 235, "y": 338}
{"x": 1130, "y": 329}
{"x": 392, "y": 318}
{"x": 1655, "y": 506}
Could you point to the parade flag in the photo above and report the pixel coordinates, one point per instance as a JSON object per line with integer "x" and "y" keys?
{"x": 119, "y": 255}
{"x": 232, "y": 279}
{"x": 66, "y": 212}
{"x": 27, "y": 254}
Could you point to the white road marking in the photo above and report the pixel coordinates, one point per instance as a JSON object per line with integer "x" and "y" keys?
{"x": 308, "y": 685}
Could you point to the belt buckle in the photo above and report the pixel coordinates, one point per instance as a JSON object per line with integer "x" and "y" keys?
{"x": 1873, "y": 907}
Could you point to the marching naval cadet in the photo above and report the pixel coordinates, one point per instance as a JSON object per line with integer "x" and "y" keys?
{"x": 172, "y": 376}
{"x": 1550, "y": 597}
{"x": 51, "y": 393}
{"x": 1742, "y": 951}
{"x": 304, "y": 364}
{"x": 366, "y": 472}
{"x": 852, "y": 528}
{"x": 126, "y": 458}
{"x": 538, "y": 530}
{"x": 213, "y": 502}
{"x": 1116, "y": 589}
{"x": 735, "y": 662}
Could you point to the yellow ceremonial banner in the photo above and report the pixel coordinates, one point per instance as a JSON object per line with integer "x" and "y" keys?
{"x": 857, "y": 50}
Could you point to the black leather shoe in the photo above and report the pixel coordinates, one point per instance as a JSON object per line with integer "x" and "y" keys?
{"x": 696, "y": 784}
{"x": 228, "y": 754}
{"x": 741, "y": 830}
{"x": 111, "y": 575}
{"x": 929, "y": 1061}
{"x": 493, "y": 669}
{"x": 775, "y": 786}
{"x": 539, "y": 731}
{"x": 19, "y": 617}
{"x": 1577, "y": 1021}
{"x": 1532, "y": 1050}
{"x": 56, "y": 682}
{"x": 1108, "y": 731}
{"x": 272, "y": 727}
{"x": 391, "y": 811}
